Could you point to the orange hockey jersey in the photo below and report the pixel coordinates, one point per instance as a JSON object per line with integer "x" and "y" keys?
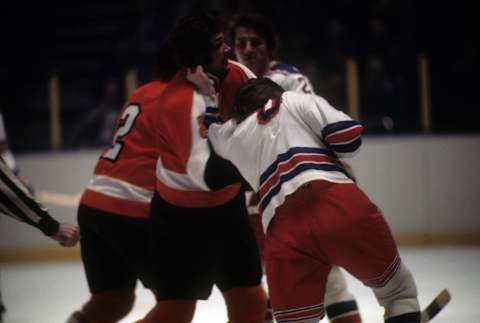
{"x": 183, "y": 151}
{"x": 124, "y": 178}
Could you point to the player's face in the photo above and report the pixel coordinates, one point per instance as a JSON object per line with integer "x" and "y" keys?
{"x": 251, "y": 50}
{"x": 218, "y": 64}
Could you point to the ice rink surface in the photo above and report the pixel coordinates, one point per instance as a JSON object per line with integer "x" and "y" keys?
{"x": 49, "y": 292}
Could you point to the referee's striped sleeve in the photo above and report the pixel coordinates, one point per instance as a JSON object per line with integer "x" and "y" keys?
{"x": 18, "y": 203}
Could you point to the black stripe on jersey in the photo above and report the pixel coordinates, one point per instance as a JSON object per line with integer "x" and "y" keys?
{"x": 212, "y": 110}
{"x": 5, "y": 210}
{"x": 14, "y": 198}
{"x": 20, "y": 194}
{"x": 11, "y": 208}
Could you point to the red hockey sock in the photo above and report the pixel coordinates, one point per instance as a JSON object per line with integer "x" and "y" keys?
{"x": 106, "y": 307}
{"x": 350, "y": 318}
{"x": 171, "y": 312}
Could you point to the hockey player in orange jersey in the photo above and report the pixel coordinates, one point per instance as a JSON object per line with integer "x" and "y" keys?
{"x": 202, "y": 235}
{"x": 114, "y": 208}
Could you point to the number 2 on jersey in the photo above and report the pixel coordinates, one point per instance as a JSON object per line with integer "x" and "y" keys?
{"x": 125, "y": 125}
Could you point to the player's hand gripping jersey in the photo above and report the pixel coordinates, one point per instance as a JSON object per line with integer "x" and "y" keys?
{"x": 183, "y": 150}
{"x": 316, "y": 136}
{"x": 124, "y": 177}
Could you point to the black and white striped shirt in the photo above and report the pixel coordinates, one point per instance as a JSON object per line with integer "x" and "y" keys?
{"x": 17, "y": 202}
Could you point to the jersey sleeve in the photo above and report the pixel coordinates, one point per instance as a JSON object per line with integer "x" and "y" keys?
{"x": 337, "y": 130}
{"x": 219, "y": 137}
{"x": 212, "y": 111}
{"x": 220, "y": 172}
{"x": 18, "y": 203}
{"x": 290, "y": 79}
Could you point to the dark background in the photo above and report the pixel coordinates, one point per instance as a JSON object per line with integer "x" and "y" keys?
{"x": 91, "y": 45}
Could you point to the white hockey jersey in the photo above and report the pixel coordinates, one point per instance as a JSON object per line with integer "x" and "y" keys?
{"x": 293, "y": 139}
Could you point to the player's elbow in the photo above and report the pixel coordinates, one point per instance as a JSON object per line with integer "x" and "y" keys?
{"x": 347, "y": 149}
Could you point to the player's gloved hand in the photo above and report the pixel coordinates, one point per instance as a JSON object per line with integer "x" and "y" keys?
{"x": 212, "y": 115}
{"x": 67, "y": 235}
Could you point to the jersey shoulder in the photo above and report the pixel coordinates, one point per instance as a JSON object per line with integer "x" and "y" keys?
{"x": 289, "y": 77}
{"x": 239, "y": 70}
{"x": 237, "y": 75}
{"x": 148, "y": 92}
{"x": 175, "y": 104}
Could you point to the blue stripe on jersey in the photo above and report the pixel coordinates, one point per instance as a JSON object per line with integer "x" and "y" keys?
{"x": 289, "y": 154}
{"x": 345, "y": 129}
{"x": 347, "y": 148}
{"x": 285, "y": 67}
{"x": 294, "y": 172}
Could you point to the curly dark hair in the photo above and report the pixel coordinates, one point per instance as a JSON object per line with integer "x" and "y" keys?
{"x": 192, "y": 38}
{"x": 253, "y": 95}
{"x": 165, "y": 64}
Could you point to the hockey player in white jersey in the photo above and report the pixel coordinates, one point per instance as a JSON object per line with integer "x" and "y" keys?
{"x": 287, "y": 146}
{"x": 254, "y": 42}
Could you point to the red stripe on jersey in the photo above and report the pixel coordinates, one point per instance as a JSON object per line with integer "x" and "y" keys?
{"x": 115, "y": 205}
{"x": 345, "y": 135}
{"x": 291, "y": 164}
{"x": 197, "y": 199}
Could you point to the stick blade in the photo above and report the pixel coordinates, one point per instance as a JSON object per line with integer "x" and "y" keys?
{"x": 438, "y": 303}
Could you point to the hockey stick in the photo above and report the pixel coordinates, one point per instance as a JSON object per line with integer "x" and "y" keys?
{"x": 436, "y": 305}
